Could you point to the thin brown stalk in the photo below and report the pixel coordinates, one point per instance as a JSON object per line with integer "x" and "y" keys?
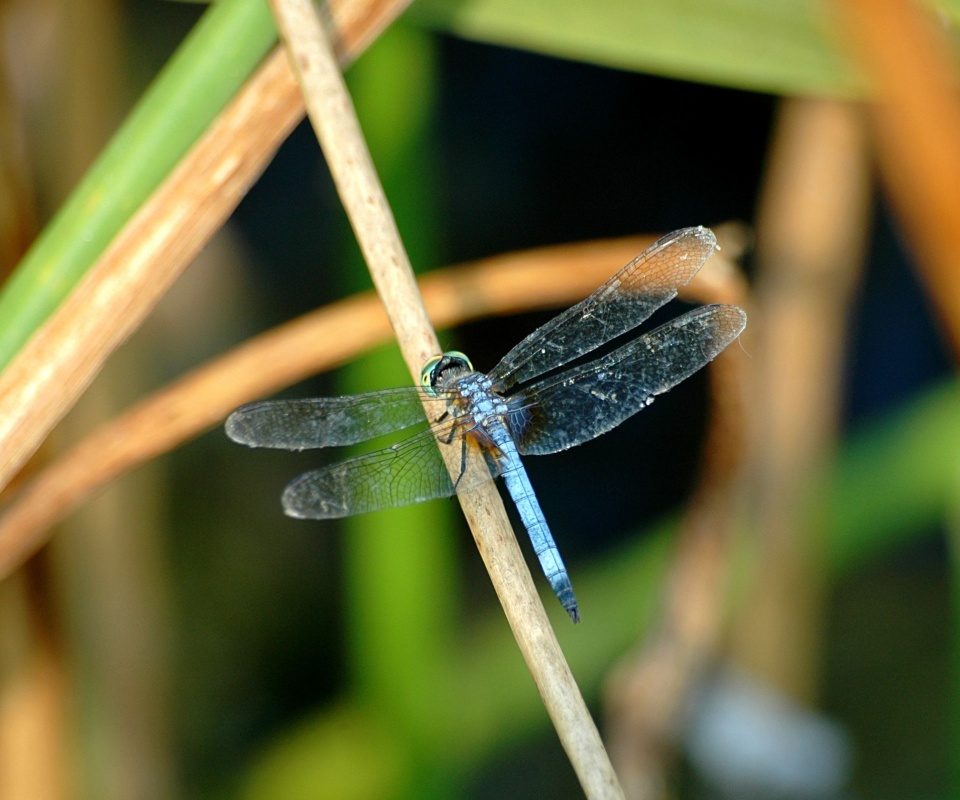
{"x": 914, "y": 75}
{"x": 333, "y": 118}
{"x": 41, "y": 384}
{"x": 34, "y": 724}
{"x": 318, "y": 341}
{"x": 811, "y": 239}
{"x": 545, "y": 277}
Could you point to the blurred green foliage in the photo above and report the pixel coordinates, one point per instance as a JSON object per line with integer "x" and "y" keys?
{"x": 778, "y": 47}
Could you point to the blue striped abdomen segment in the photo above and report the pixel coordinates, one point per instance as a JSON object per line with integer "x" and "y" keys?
{"x": 521, "y": 491}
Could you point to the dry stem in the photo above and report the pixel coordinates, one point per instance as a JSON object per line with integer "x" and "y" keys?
{"x": 544, "y": 277}
{"x": 42, "y": 383}
{"x": 333, "y": 118}
{"x": 541, "y": 278}
{"x": 910, "y": 61}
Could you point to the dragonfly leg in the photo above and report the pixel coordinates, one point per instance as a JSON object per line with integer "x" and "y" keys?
{"x": 451, "y": 433}
{"x": 463, "y": 463}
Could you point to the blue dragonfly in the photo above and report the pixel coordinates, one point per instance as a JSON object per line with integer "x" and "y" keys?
{"x": 523, "y": 406}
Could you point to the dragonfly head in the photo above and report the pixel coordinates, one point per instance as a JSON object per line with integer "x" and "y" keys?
{"x": 438, "y": 370}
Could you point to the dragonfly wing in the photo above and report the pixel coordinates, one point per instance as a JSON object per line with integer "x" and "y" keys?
{"x": 622, "y": 303}
{"x": 580, "y": 404}
{"x": 411, "y": 471}
{"x": 325, "y": 421}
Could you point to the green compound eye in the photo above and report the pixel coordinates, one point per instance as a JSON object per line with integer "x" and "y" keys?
{"x": 426, "y": 374}
{"x": 435, "y": 366}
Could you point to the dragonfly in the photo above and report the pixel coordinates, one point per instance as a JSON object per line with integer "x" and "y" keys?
{"x": 526, "y": 405}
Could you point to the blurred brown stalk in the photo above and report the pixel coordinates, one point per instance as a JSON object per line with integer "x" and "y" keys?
{"x": 321, "y": 340}
{"x": 914, "y": 78}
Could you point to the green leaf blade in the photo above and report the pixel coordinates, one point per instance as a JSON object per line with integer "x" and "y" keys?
{"x": 776, "y": 46}
{"x": 200, "y": 79}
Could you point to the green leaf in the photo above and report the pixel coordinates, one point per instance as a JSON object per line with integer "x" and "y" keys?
{"x": 346, "y": 754}
{"x": 777, "y": 46}
{"x": 203, "y": 75}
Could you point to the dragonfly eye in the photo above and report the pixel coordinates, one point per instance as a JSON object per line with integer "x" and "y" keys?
{"x": 432, "y": 373}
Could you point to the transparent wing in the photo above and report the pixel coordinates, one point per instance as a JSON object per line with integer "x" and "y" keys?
{"x": 622, "y": 303}
{"x": 410, "y": 471}
{"x": 325, "y": 421}
{"x": 578, "y": 405}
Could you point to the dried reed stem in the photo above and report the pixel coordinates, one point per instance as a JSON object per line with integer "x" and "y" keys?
{"x": 52, "y": 370}
{"x": 545, "y": 277}
{"x": 331, "y": 112}
{"x": 909, "y": 58}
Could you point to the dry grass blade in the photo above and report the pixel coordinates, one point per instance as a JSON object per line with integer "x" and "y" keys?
{"x": 542, "y": 278}
{"x": 333, "y": 118}
{"x": 914, "y": 75}
{"x": 57, "y": 364}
